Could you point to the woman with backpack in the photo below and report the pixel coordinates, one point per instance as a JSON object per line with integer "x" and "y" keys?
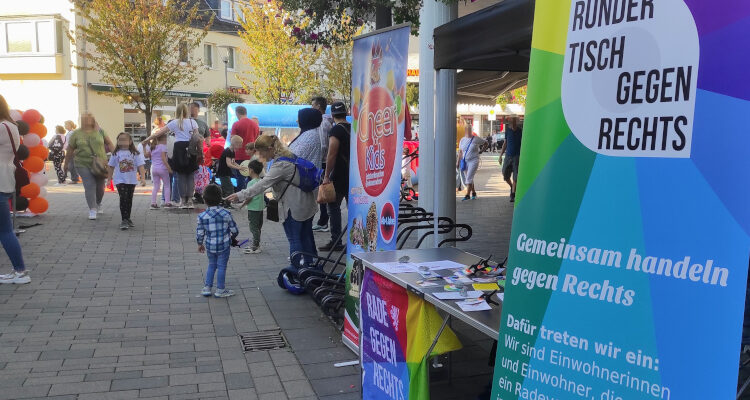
{"x": 296, "y": 207}
{"x": 187, "y": 147}
{"x": 9, "y": 142}
{"x": 57, "y": 154}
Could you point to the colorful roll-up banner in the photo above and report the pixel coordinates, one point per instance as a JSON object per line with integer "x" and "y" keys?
{"x": 378, "y": 112}
{"x": 631, "y": 233}
{"x": 398, "y": 329}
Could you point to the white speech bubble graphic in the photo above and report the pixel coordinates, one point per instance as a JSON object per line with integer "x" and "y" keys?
{"x": 630, "y": 77}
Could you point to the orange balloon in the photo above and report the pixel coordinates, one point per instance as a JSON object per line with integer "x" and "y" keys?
{"x": 39, "y": 151}
{"x": 33, "y": 164}
{"x": 39, "y": 129}
{"x": 38, "y": 205}
{"x": 30, "y": 191}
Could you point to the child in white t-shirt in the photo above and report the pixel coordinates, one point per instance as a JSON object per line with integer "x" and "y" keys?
{"x": 122, "y": 173}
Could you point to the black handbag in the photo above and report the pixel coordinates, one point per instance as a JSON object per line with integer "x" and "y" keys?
{"x": 272, "y": 205}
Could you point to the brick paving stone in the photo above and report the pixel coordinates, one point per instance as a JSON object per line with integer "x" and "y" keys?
{"x": 298, "y": 389}
{"x": 110, "y": 305}
{"x": 140, "y": 383}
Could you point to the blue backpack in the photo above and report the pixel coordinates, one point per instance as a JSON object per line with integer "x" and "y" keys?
{"x": 310, "y": 176}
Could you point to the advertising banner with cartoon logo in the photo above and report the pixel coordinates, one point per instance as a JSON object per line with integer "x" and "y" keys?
{"x": 378, "y": 112}
{"x": 629, "y": 249}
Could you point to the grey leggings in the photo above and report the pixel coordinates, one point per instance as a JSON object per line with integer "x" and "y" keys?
{"x": 93, "y": 186}
{"x": 186, "y": 185}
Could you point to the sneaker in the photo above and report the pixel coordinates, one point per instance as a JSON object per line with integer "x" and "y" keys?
{"x": 223, "y": 293}
{"x": 330, "y": 246}
{"x": 155, "y": 206}
{"x": 466, "y": 198}
{"x": 190, "y": 205}
{"x": 512, "y": 197}
{"x": 92, "y": 214}
{"x": 252, "y": 250}
{"x": 99, "y": 209}
{"x": 130, "y": 223}
{"x": 183, "y": 205}
{"x": 124, "y": 225}
{"x": 206, "y": 291}
{"x": 16, "y": 277}
{"x": 474, "y": 196}
{"x": 168, "y": 205}
{"x": 320, "y": 228}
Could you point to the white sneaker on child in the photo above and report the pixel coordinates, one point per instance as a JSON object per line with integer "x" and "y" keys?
{"x": 92, "y": 214}
{"x": 206, "y": 291}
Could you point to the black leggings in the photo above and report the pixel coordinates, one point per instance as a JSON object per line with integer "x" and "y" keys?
{"x": 126, "y": 199}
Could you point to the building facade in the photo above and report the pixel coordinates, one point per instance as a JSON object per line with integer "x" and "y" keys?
{"x": 37, "y": 67}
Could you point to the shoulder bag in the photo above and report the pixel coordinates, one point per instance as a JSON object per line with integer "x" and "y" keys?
{"x": 98, "y": 166}
{"x": 21, "y": 175}
{"x": 272, "y": 205}
{"x": 462, "y": 165}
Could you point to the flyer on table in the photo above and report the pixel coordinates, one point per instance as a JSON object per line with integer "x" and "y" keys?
{"x": 630, "y": 241}
{"x": 378, "y": 112}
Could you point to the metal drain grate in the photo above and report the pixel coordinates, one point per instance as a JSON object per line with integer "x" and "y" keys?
{"x": 262, "y": 340}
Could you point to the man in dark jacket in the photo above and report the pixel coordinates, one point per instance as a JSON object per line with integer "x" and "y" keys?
{"x": 337, "y": 171}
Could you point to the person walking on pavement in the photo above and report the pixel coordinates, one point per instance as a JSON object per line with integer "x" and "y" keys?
{"x": 9, "y": 142}
{"x": 88, "y": 145}
{"x": 469, "y": 149}
{"x": 70, "y": 127}
{"x": 337, "y": 171}
{"x": 320, "y": 104}
{"x": 307, "y": 144}
{"x": 512, "y": 150}
{"x": 57, "y": 153}
{"x": 249, "y": 131}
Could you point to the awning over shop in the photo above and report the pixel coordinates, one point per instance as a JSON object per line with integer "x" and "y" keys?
{"x": 483, "y": 87}
{"x": 101, "y": 87}
{"x": 491, "y": 46}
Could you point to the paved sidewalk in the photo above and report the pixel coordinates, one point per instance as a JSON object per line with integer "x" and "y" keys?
{"x": 114, "y": 314}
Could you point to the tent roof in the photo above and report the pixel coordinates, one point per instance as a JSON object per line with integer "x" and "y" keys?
{"x": 483, "y": 87}
{"x": 491, "y": 46}
{"x": 496, "y": 38}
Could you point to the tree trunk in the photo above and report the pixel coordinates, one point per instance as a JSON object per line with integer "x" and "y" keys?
{"x": 149, "y": 112}
{"x": 383, "y": 17}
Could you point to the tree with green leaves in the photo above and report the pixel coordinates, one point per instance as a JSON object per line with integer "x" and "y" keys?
{"x": 281, "y": 68}
{"x": 319, "y": 22}
{"x": 220, "y": 99}
{"x": 137, "y": 45}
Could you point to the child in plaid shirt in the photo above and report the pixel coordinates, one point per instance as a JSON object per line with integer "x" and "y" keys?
{"x": 215, "y": 233}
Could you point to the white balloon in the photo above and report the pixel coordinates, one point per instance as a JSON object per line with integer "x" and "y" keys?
{"x": 15, "y": 115}
{"x": 31, "y": 140}
{"x": 43, "y": 192}
{"x": 39, "y": 179}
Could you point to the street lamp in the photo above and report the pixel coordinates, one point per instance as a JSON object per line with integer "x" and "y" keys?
{"x": 226, "y": 67}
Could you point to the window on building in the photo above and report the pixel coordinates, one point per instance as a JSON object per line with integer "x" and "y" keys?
{"x": 20, "y": 37}
{"x": 230, "y": 57}
{"x": 183, "y": 52}
{"x": 226, "y": 11}
{"x": 208, "y": 55}
{"x": 31, "y": 36}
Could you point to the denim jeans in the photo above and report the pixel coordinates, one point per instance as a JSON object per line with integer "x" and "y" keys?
{"x": 7, "y": 236}
{"x": 217, "y": 264}
{"x": 334, "y": 213}
{"x": 175, "y": 188}
{"x": 301, "y": 238}
{"x": 241, "y": 179}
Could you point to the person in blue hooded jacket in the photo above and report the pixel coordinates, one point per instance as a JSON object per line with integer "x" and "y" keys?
{"x": 307, "y": 144}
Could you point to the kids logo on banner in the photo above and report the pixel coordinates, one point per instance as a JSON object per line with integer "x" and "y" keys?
{"x": 630, "y": 282}
{"x": 378, "y": 115}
